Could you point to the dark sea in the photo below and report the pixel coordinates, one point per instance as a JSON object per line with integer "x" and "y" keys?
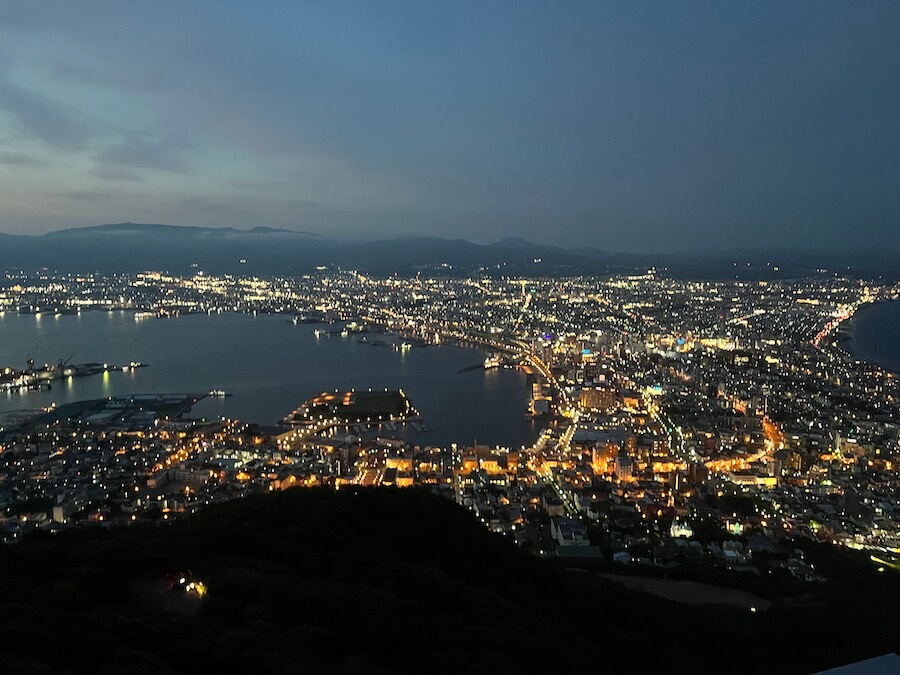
{"x": 875, "y": 334}
{"x": 269, "y": 366}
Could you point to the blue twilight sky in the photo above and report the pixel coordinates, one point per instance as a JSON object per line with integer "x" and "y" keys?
{"x": 635, "y": 126}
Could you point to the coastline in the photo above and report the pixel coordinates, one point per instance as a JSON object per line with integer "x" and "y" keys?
{"x": 281, "y": 364}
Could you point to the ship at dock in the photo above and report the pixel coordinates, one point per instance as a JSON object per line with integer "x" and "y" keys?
{"x": 493, "y": 360}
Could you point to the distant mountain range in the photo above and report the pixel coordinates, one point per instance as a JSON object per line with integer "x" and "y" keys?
{"x": 130, "y": 247}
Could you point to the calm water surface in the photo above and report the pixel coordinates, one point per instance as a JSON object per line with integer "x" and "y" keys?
{"x": 269, "y": 365}
{"x": 876, "y": 335}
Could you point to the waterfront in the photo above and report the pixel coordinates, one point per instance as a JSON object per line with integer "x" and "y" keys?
{"x": 875, "y": 335}
{"x": 269, "y": 366}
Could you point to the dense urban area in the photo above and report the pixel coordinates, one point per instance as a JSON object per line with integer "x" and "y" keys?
{"x": 685, "y": 423}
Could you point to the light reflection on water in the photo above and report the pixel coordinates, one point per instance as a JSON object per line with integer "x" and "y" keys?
{"x": 270, "y": 366}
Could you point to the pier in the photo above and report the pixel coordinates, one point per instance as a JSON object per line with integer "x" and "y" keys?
{"x": 34, "y": 379}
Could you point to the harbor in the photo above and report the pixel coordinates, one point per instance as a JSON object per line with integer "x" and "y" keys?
{"x": 279, "y": 365}
{"x": 125, "y": 414}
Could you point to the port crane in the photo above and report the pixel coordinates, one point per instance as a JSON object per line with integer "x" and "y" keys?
{"x": 31, "y": 356}
{"x": 62, "y": 364}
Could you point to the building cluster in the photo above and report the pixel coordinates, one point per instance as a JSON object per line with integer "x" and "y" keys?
{"x": 687, "y": 422}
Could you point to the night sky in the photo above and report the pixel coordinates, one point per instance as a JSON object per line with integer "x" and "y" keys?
{"x": 624, "y": 125}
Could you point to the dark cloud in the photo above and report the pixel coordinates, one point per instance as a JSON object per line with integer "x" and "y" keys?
{"x": 152, "y": 82}
{"x": 119, "y": 173}
{"x": 144, "y": 153}
{"x": 622, "y": 126}
{"x": 40, "y": 116}
{"x": 21, "y": 159}
{"x": 84, "y": 196}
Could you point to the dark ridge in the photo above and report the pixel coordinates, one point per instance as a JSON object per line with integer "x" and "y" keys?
{"x": 380, "y": 580}
{"x": 134, "y": 247}
{"x": 168, "y": 230}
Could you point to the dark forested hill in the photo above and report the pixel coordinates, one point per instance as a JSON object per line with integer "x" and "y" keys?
{"x": 381, "y": 581}
{"x": 134, "y": 247}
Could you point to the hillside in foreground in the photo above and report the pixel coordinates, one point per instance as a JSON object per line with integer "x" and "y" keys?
{"x": 385, "y": 580}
